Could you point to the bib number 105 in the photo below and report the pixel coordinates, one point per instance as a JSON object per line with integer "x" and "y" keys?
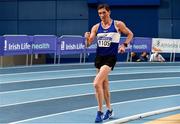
{"x": 104, "y": 43}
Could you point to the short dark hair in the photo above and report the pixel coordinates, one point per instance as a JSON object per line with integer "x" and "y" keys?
{"x": 105, "y": 6}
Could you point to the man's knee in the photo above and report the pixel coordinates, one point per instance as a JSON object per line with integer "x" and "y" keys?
{"x": 97, "y": 86}
{"x": 98, "y": 82}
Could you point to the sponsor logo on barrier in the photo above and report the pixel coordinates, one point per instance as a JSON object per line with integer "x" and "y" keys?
{"x": 16, "y": 46}
{"x": 165, "y": 45}
{"x": 71, "y": 46}
{"x": 1, "y": 46}
{"x": 74, "y": 46}
{"x": 24, "y": 46}
{"x": 62, "y": 45}
{"x": 41, "y": 46}
{"x": 143, "y": 46}
{"x": 5, "y": 45}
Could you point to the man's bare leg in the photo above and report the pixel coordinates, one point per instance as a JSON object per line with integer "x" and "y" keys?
{"x": 106, "y": 93}
{"x": 98, "y": 84}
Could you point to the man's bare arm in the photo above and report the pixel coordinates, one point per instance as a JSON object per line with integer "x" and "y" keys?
{"x": 122, "y": 28}
{"x": 91, "y": 35}
{"x": 125, "y": 30}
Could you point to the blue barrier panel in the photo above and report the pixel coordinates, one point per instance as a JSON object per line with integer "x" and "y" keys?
{"x": 142, "y": 44}
{"x": 129, "y": 48}
{"x": 44, "y": 44}
{"x": 70, "y": 45}
{"x": 17, "y": 45}
{"x": 1, "y": 45}
{"x": 92, "y": 48}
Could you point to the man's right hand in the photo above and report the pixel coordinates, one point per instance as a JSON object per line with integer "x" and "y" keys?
{"x": 87, "y": 35}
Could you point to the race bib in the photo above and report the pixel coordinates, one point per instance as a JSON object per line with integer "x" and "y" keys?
{"x": 104, "y": 42}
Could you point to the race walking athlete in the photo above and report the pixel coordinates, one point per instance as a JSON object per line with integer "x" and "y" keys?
{"x": 108, "y": 33}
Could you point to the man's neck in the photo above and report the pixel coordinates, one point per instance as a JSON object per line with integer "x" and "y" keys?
{"x": 107, "y": 22}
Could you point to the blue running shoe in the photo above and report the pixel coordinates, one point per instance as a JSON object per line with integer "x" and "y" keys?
{"x": 109, "y": 115}
{"x": 99, "y": 117}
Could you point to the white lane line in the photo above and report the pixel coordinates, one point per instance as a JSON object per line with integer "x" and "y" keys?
{"x": 143, "y": 115}
{"x": 66, "y": 70}
{"x": 44, "y": 72}
{"x": 47, "y": 65}
{"x": 84, "y": 84}
{"x": 77, "y": 95}
{"x": 87, "y": 108}
{"x": 91, "y": 63}
{"x": 65, "y": 77}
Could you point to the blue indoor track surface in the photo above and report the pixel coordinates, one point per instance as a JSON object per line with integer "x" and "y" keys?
{"x": 64, "y": 93}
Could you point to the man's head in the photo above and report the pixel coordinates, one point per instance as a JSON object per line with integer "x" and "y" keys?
{"x": 103, "y": 11}
{"x": 103, "y": 6}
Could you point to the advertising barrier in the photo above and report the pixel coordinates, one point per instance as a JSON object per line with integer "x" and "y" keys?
{"x": 1, "y": 45}
{"x": 23, "y": 44}
{"x": 17, "y": 45}
{"x": 44, "y": 44}
{"x": 92, "y": 47}
{"x": 176, "y": 45}
{"x": 164, "y": 45}
{"x": 70, "y": 45}
{"x": 141, "y": 44}
{"x": 67, "y": 45}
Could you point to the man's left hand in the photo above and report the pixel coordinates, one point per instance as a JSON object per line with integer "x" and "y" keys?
{"x": 121, "y": 49}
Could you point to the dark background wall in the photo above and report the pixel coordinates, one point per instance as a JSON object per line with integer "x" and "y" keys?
{"x": 142, "y": 20}
{"x": 43, "y": 17}
{"x": 76, "y": 16}
{"x": 169, "y": 19}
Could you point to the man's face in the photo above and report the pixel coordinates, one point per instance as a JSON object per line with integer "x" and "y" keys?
{"x": 103, "y": 14}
